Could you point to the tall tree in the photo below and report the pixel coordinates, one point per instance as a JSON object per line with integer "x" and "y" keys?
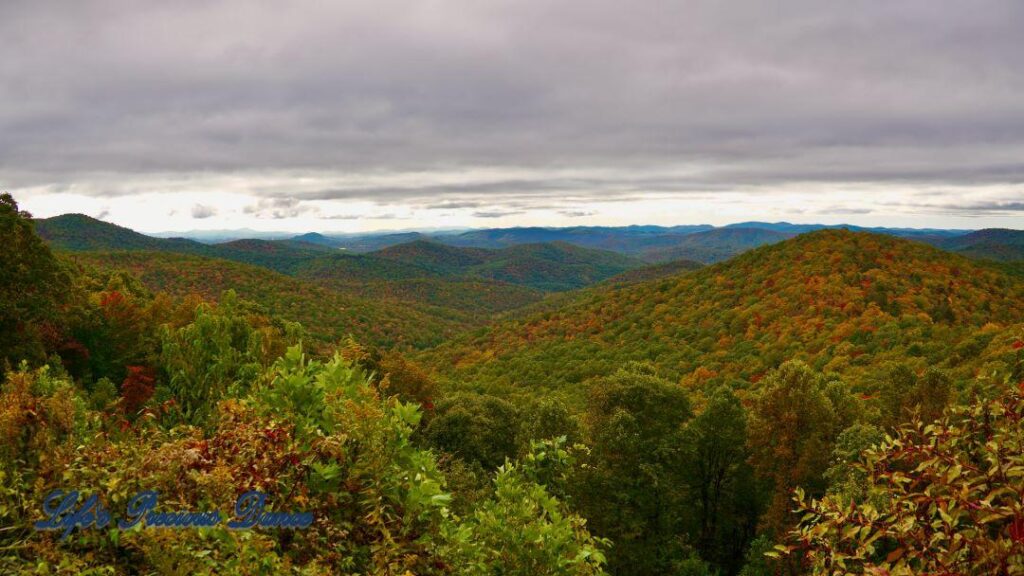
{"x": 631, "y": 490}
{"x": 714, "y": 444}
{"x": 791, "y": 436}
{"x": 32, "y": 286}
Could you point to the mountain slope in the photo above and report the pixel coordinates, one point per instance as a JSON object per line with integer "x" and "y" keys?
{"x": 551, "y": 266}
{"x": 437, "y": 257}
{"x": 715, "y": 245}
{"x": 991, "y": 243}
{"x": 284, "y": 256}
{"x": 371, "y": 242}
{"x": 843, "y": 301}
{"x": 622, "y": 239}
{"x": 78, "y": 232}
{"x": 327, "y": 315}
{"x": 478, "y": 299}
{"x": 655, "y": 272}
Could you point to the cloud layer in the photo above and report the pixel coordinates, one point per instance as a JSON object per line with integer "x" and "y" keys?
{"x": 500, "y": 108}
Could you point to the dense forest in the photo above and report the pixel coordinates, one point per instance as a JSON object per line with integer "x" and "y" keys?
{"x": 831, "y": 402}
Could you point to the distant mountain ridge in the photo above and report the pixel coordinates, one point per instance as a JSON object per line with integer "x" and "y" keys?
{"x": 715, "y": 245}
{"x": 553, "y": 266}
{"x": 654, "y": 244}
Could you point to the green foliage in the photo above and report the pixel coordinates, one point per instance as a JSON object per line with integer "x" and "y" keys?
{"x": 993, "y": 244}
{"x": 523, "y": 530}
{"x": 41, "y": 418}
{"x": 302, "y": 389}
{"x": 692, "y": 566}
{"x": 717, "y": 475}
{"x": 394, "y": 373}
{"x": 792, "y": 431}
{"x": 655, "y": 272}
{"x": 32, "y": 288}
{"x": 845, "y": 479}
{"x": 218, "y": 352}
{"x": 631, "y": 489}
{"x": 904, "y": 395}
{"x": 314, "y": 436}
{"x": 473, "y": 301}
{"x": 113, "y": 322}
{"x": 757, "y": 561}
{"x": 103, "y": 393}
{"x": 943, "y": 498}
{"x": 477, "y": 428}
{"x": 545, "y": 418}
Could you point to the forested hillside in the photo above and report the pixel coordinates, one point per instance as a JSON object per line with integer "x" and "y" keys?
{"x": 77, "y": 232}
{"x": 992, "y": 244}
{"x": 845, "y": 302}
{"x": 656, "y": 271}
{"x": 553, "y": 266}
{"x": 708, "y": 399}
{"x": 328, "y": 316}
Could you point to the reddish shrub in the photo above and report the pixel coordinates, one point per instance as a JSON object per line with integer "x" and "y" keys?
{"x": 137, "y": 388}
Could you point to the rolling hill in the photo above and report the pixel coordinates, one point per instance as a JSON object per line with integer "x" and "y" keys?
{"x": 439, "y": 258}
{"x": 477, "y": 300}
{"x": 359, "y": 244}
{"x": 546, "y": 267}
{"x": 78, "y": 232}
{"x": 715, "y": 245}
{"x": 326, "y": 314}
{"x": 551, "y": 266}
{"x": 847, "y": 302}
{"x": 991, "y": 243}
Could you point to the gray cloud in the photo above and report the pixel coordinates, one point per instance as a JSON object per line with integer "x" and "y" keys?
{"x": 967, "y": 209}
{"x": 495, "y": 213}
{"x": 844, "y": 210}
{"x": 199, "y": 211}
{"x": 454, "y": 205}
{"x": 576, "y": 213}
{"x": 278, "y": 208}
{"x": 660, "y": 97}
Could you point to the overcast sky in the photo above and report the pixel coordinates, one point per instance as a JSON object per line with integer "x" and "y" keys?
{"x": 345, "y": 115}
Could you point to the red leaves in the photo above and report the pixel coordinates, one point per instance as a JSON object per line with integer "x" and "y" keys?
{"x": 111, "y": 299}
{"x": 1017, "y": 529}
{"x": 137, "y": 388}
{"x": 1018, "y": 344}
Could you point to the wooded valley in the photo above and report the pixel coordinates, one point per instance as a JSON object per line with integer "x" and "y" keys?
{"x": 757, "y": 399}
